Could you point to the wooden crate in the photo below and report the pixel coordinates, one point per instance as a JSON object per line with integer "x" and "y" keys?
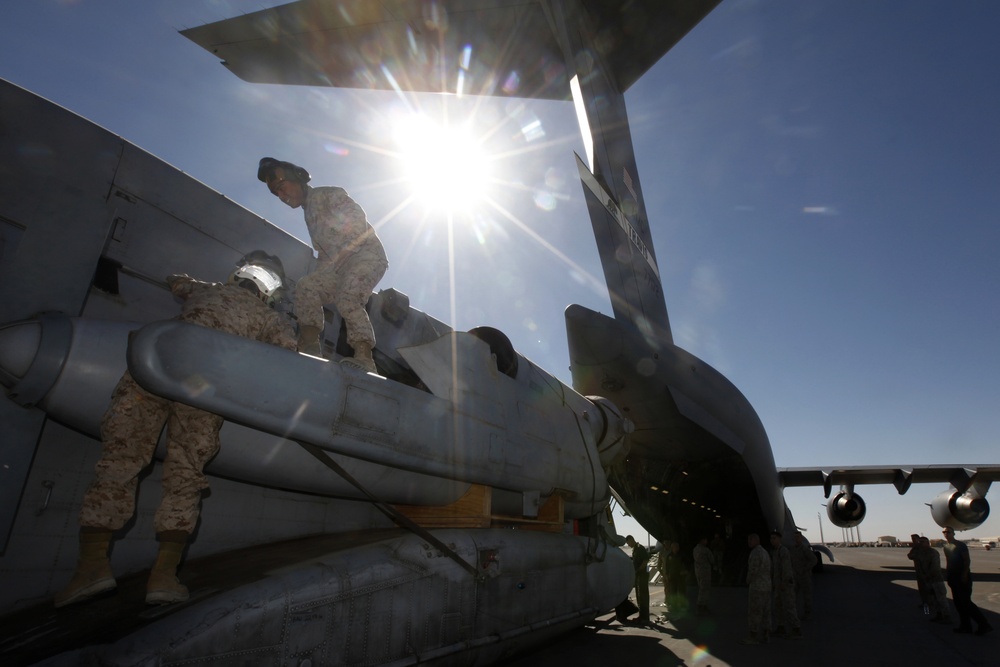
{"x": 474, "y": 510}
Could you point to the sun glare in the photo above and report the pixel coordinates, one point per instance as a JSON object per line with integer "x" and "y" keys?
{"x": 445, "y": 165}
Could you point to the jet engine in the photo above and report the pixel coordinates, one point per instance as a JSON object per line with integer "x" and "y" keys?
{"x": 846, "y": 509}
{"x": 961, "y": 511}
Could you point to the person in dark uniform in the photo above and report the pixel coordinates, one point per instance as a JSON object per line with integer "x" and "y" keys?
{"x": 640, "y": 560}
{"x": 959, "y": 575}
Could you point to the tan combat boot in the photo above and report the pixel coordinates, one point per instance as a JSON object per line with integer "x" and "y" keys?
{"x": 362, "y": 357}
{"x": 163, "y": 586}
{"x": 93, "y": 570}
{"x": 309, "y": 341}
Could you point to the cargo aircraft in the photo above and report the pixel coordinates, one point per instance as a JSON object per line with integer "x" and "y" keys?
{"x": 452, "y": 509}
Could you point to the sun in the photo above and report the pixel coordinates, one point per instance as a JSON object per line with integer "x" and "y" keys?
{"x": 445, "y": 165}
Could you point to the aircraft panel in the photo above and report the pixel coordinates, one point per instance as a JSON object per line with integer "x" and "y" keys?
{"x": 483, "y": 48}
{"x": 629, "y": 268}
{"x": 637, "y": 34}
{"x": 17, "y": 450}
{"x": 167, "y": 223}
{"x": 52, "y": 269}
{"x": 421, "y": 47}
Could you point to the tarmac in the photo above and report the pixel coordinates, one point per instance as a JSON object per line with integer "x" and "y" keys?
{"x": 866, "y": 611}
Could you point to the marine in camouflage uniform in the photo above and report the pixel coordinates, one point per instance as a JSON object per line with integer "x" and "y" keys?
{"x": 918, "y": 568}
{"x": 928, "y": 563}
{"x": 132, "y": 424}
{"x": 803, "y": 561}
{"x": 351, "y": 262}
{"x": 703, "y": 562}
{"x": 759, "y": 595}
{"x": 351, "y": 259}
{"x": 783, "y": 587}
{"x": 130, "y": 430}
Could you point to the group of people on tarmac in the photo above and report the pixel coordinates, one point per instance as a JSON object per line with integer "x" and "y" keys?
{"x": 351, "y": 261}
{"x": 779, "y": 580}
{"x": 957, "y": 573}
{"x": 776, "y": 580}
{"x": 673, "y": 572}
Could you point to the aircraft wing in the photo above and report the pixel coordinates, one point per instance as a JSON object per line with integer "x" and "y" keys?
{"x": 960, "y": 476}
{"x": 476, "y": 47}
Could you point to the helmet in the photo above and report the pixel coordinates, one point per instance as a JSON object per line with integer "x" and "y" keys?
{"x": 261, "y": 258}
{"x": 293, "y": 172}
{"x": 260, "y": 273}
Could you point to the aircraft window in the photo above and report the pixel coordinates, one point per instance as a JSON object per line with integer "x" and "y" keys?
{"x": 106, "y": 275}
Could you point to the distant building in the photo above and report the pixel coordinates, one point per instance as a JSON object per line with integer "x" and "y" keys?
{"x": 886, "y": 541}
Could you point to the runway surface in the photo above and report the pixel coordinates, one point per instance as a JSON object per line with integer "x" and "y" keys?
{"x": 866, "y": 611}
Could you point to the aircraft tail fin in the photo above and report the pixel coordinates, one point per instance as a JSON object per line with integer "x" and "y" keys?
{"x": 630, "y": 267}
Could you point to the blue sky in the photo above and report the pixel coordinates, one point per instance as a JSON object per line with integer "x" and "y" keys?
{"x": 821, "y": 180}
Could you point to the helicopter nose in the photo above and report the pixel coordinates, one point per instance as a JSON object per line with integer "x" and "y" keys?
{"x": 19, "y": 343}
{"x": 33, "y": 354}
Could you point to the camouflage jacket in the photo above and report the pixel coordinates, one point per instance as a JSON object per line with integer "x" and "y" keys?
{"x": 803, "y": 559}
{"x": 338, "y": 226}
{"x": 759, "y": 570}
{"x": 231, "y": 309}
{"x": 928, "y": 564}
{"x": 703, "y": 558}
{"x": 781, "y": 567}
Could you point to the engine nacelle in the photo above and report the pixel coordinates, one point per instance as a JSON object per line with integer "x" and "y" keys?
{"x": 846, "y": 509}
{"x": 961, "y": 511}
{"x": 611, "y": 429}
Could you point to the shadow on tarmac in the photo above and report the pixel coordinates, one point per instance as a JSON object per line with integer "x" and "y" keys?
{"x": 866, "y": 611}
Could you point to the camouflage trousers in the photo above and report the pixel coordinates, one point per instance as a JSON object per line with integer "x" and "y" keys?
{"x": 759, "y": 611}
{"x": 130, "y": 430}
{"x": 937, "y": 599}
{"x": 784, "y": 606}
{"x": 348, "y": 286}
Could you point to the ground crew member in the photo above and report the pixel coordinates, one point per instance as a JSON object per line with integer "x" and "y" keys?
{"x": 803, "y": 562}
{"x": 718, "y": 547}
{"x": 959, "y": 574}
{"x": 930, "y": 566}
{"x": 675, "y": 584}
{"x": 918, "y": 568}
{"x": 759, "y": 595}
{"x": 351, "y": 259}
{"x": 783, "y": 587}
{"x": 131, "y": 428}
{"x": 640, "y": 559}
{"x": 703, "y": 563}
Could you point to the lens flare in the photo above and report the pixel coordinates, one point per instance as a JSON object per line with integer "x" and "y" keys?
{"x": 445, "y": 165}
{"x": 699, "y": 653}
